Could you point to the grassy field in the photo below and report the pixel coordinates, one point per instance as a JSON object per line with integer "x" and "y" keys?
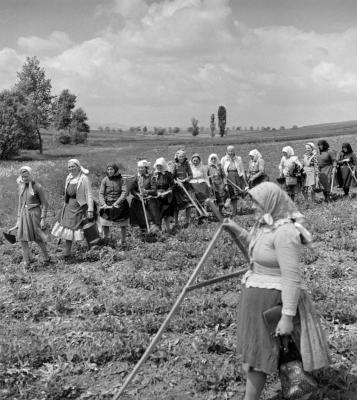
{"x": 75, "y": 330}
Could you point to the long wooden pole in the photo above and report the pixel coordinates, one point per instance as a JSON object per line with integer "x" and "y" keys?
{"x": 202, "y": 212}
{"x": 170, "y": 315}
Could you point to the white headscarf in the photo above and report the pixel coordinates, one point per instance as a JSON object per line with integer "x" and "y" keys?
{"x": 161, "y": 161}
{"x": 210, "y": 162}
{"x": 288, "y": 150}
{"x": 20, "y": 181}
{"x": 255, "y": 154}
{"x": 76, "y": 162}
{"x": 143, "y": 163}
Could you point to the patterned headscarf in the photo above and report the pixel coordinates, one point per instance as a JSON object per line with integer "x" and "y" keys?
{"x": 288, "y": 150}
{"x": 309, "y": 148}
{"x": 210, "y": 159}
{"x": 76, "y": 162}
{"x": 180, "y": 153}
{"x": 161, "y": 161}
{"x": 143, "y": 163}
{"x": 255, "y": 154}
{"x": 21, "y": 182}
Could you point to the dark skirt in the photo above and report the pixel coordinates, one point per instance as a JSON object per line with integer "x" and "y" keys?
{"x": 137, "y": 216}
{"x": 116, "y": 213}
{"x": 239, "y": 181}
{"x": 201, "y": 191}
{"x": 345, "y": 177}
{"x": 219, "y": 193}
{"x": 166, "y": 206}
{"x": 181, "y": 199}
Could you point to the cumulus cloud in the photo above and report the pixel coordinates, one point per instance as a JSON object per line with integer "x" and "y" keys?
{"x": 171, "y": 60}
{"x": 56, "y": 42}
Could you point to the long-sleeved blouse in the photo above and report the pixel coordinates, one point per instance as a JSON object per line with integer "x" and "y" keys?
{"x": 112, "y": 191}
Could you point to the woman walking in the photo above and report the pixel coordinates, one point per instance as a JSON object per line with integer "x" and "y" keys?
{"x": 327, "y": 167}
{"x": 114, "y": 207}
{"x": 346, "y": 168}
{"x": 289, "y": 168}
{"x": 311, "y": 172}
{"x": 217, "y": 179}
{"x": 165, "y": 198}
{"x": 256, "y": 169}
{"x": 31, "y": 215}
{"x": 274, "y": 279}
{"x": 143, "y": 189}
{"x": 234, "y": 170}
{"x": 78, "y": 206}
{"x": 182, "y": 174}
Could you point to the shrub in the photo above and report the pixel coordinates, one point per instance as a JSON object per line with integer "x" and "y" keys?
{"x": 63, "y": 137}
{"x": 79, "y": 137}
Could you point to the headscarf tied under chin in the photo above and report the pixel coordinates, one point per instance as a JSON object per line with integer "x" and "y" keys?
{"x": 309, "y": 148}
{"x": 211, "y": 161}
{"x": 255, "y": 154}
{"x": 161, "y": 161}
{"x": 180, "y": 153}
{"x": 288, "y": 150}
{"x": 76, "y": 162}
{"x": 21, "y": 182}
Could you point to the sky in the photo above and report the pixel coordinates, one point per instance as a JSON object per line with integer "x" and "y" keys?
{"x": 163, "y": 62}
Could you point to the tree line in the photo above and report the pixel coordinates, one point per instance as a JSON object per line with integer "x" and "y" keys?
{"x": 29, "y": 107}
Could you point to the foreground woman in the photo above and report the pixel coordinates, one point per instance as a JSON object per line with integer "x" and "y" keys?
{"x": 327, "y": 167}
{"x": 256, "y": 169}
{"x": 182, "y": 173}
{"x": 234, "y": 170}
{"x": 311, "y": 171}
{"x": 31, "y": 215}
{"x": 274, "y": 279}
{"x": 217, "y": 180}
{"x": 289, "y": 168}
{"x": 346, "y": 168}
{"x": 114, "y": 207}
{"x": 78, "y": 205}
{"x": 143, "y": 189}
{"x": 165, "y": 198}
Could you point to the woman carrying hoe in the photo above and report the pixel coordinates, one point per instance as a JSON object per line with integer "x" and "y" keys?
{"x": 274, "y": 278}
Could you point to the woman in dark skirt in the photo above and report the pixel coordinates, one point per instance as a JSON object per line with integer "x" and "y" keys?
{"x": 217, "y": 180}
{"x": 181, "y": 172}
{"x": 274, "y": 278}
{"x": 346, "y": 168}
{"x": 31, "y": 214}
{"x": 78, "y": 206}
{"x": 144, "y": 187}
{"x": 327, "y": 167}
{"x": 234, "y": 170}
{"x": 114, "y": 207}
{"x": 165, "y": 198}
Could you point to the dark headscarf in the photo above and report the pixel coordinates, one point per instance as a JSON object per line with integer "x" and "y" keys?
{"x": 325, "y": 146}
{"x": 116, "y": 171}
{"x": 348, "y": 147}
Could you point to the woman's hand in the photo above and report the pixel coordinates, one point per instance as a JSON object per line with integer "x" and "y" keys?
{"x": 229, "y": 225}
{"x": 90, "y": 214}
{"x": 285, "y": 325}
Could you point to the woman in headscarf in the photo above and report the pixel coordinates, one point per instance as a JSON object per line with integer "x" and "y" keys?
{"x": 165, "y": 198}
{"x": 256, "y": 169}
{"x": 217, "y": 180}
{"x": 289, "y": 168}
{"x": 31, "y": 214}
{"x": 78, "y": 205}
{"x": 144, "y": 188}
{"x": 199, "y": 181}
{"x": 114, "y": 207}
{"x": 311, "y": 172}
{"x": 346, "y": 168}
{"x": 327, "y": 167}
{"x": 182, "y": 173}
{"x": 274, "y": 278}
{"x": 234, "y": 170}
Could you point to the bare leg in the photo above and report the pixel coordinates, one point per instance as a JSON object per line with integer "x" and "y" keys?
{"x": 167, "y": 223}
{"x": 106, "y": 232}
{"x": 254, "y": 386}
{"x": 123, "y": 235}
{"x": 68, "y": 248}
{"x": 43, "y": 247}
{"x": 26, "y": 251}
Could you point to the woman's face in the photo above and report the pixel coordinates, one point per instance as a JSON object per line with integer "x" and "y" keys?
{"x": 213, "y": 160}
{"x": 25, "y": 175}
{"x": 195, "y": 161}
{"x": 258, "y": 211}
{"x": 251, "y": 157}
{"x": 73, "y": 169}
{"x": 308, "y": 148}
{"x": 159, "y": 168}
{"x": 285, "y": 154}
{"x": 110, "y": 171}
{"x": 181, "y": 158}
{"x": 344, "y": 149}
{"x": 230, "y": 152}
{"x": 142, "y": 170}
{"x": 320, "y": 146}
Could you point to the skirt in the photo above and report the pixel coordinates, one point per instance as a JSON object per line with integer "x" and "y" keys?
{"x": 70, "y": 220}
{"x": 117, "y": 215}
{"x": 345, "y": 177}
{"x": 219, "y": 193}
{"x": 201, "y": 191}
{"x": 166, "y": 206}
{"x": 137, "y": 216}
{"x": 310, "y": 177}
{"x": 260, "y": 350}
{"x": 239, "y": 181}
{"x": 29, "y": 226}
{"x": 181, "y": 199}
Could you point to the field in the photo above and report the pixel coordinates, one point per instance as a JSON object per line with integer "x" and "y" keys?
{"x": 75, "y": 330}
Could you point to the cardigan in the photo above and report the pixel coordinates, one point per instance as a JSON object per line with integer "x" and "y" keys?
{"x": 84, "y": 193}
{"x": 238, "y": 162}
{"x": 112, "y": 191}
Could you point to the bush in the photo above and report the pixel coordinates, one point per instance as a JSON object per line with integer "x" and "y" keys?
{"x": 63, "y": 137}
{"x": 79, "y": 137}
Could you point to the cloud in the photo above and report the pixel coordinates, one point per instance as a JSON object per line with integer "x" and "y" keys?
{"x": 171, "y": 60}
{"x": 56, "y": 42}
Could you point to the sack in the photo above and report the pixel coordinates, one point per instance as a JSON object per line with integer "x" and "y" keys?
{"x": 295, "y": 382}
{"x": 9, "y": 237}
